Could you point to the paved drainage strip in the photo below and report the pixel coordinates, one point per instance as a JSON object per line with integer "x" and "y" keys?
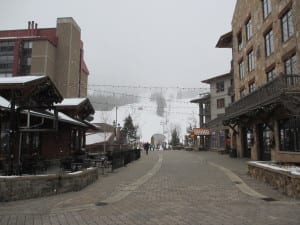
{"x": 119, "y": 194}
{"x": 240, "y": 184}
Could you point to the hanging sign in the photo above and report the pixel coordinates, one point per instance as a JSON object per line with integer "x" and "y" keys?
{"x": 201, "y": 131}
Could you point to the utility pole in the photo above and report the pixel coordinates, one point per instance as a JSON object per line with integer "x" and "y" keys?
{"x": 116, "y": 115}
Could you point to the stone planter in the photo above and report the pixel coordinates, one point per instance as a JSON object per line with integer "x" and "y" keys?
{"x": 282, "y": 179}
{"x": 33, "y": 186}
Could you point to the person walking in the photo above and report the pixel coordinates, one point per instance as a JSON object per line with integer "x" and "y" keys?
{"x": 146, "y": 147}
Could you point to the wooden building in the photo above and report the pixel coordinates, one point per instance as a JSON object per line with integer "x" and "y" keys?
{"x": 33, "y": 131}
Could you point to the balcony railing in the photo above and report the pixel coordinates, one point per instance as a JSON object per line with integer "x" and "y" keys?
{"x": 265, "y": 94}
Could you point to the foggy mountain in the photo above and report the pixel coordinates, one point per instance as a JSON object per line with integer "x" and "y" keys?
{"x": 153, "y": 112}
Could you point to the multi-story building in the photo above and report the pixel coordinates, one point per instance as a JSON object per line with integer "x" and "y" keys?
{"x": 265, "y": 120}
{"x": 220, "y": 97}
{"x": 55, "y": 52}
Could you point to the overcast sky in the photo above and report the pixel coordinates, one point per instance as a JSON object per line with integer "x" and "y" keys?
{"x": 139, "y": 42}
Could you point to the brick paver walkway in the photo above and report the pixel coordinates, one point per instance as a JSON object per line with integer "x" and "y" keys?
{"x": 170, "y": 187}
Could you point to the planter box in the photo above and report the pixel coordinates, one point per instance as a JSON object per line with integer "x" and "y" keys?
{"x": 281, "y": 179}
{"x": 25, "y": 187}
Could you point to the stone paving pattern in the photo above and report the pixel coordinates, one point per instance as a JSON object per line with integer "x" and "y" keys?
{"x": 184, "y": 188}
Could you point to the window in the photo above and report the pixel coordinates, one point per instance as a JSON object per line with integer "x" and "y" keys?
{"x": 287, "y": 25}
{"x": 7, "y": 47}
{"x": 241, "y": 70}
{"x": 249, "y": 29}
{"x": 271, "y": 74}
{"x": 240, "y": 41}
{"x": 220, "y": 86}
{"x": 26, "y": 58}
{"x": 251, "y": 87}
{"x": 289, "y": 131}
{"x": 251, "y": 64}
{"x": 269, "y": 43}
{"x": 242, "y": 93}
{"x": 290, "y": 65}
{"x": 266, "y": 8}
{"x": 220, "y": 103}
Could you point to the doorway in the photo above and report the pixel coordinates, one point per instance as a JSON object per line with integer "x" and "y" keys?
{"x": 264, "y": 134}
{"x": 247, "y": 142}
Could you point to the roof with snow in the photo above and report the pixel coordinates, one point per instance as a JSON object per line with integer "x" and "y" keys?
{"x": 61, "y": 117}
{"x": 4, "y": 103}
{"x": 81, "y": 107}
{"x": 30, "y": 90}
{"x": 98, "y": 138}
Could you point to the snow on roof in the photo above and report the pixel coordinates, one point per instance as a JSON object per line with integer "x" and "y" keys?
{"x": 19, "y": 79}
{"x": 71, "y": 101}
{"x": 66, "y": 118}
{"x": 97, "y": 137}
{"x": 4, "y": 103}
{"x": 61, "y": 117}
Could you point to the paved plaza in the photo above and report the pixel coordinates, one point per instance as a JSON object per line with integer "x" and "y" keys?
{"x": 167, "y": 188}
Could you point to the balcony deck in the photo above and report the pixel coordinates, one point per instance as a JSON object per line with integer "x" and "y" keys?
{"x": 269, "y": 93}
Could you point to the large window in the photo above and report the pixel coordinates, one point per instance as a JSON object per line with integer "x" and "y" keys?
{"x": 6, "y": 58}
{"x": 220, "y": 86}
{"x": 242, "y": 92}
{"x": 26, "y": 58}
{"x": 251, "y": 63}
{"x": 266, "y": 8}
{"x": 240, "y": 41}
{"x": 287, "y": 25}
{"x": 269, "y": 43}
{"x": 249, "y": 29}
{"x": 252, "y": 87}
{"x": 241, "y": 70}
{"x": 289, "y": 131}
{"x": 290, "y": 65}
{"x": 270, "y": 74}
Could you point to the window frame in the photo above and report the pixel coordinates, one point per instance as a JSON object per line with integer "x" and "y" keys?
{"x": 290, "y": 64}
{"x": 220, "y": 103}
{"x": 242, "y": 92}
{"x": 252, "y": 87}
{"x": 287, "y": 24}
{"x": 220, "y": 86}
{"x": 240, "y": 40}
{"x": 269, "y": 42}
{"x": 270, "y": 74}
{"x": 249, "y": 28}
{"x": 242, "y": 74}
{"x": 266, "y": 8}
{"x": 250, "y": 60}
{"x": 289, "y": 135}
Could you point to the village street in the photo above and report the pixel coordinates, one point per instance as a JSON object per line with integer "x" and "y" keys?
{"x": 164, "y": 187}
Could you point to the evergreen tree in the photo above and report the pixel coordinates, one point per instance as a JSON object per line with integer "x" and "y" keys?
{"x": 175, "y": 138}
{"x": 129, "y": 130}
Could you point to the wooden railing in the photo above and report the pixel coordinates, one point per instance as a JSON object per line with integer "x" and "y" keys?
{"x": 264, "y": 95}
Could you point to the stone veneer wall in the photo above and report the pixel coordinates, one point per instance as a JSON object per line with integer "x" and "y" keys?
{"x": 287, "y": 183}
{"x": 24, "y": 187}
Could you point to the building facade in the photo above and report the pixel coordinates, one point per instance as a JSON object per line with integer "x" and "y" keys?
{"x": 265, "y": 117}
{"x": 55, "y": 52}
{"x": 220, "y": 97}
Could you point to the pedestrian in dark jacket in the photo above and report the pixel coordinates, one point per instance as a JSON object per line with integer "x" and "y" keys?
{"x": 146, "y": 147}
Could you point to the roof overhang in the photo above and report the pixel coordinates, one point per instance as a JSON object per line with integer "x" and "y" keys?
{"x": 30, "y": 90}
{"x": 225, "y": 41}
{"x": 216, "y": 78}
{"x": 81, "y": 107}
